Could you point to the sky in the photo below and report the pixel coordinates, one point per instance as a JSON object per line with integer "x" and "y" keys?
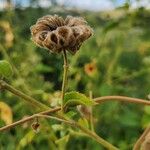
{"x": 96, "y": 5}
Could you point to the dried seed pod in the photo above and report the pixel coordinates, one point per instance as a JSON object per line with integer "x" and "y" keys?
{"x": 74, "y": 21}
{"x": 55, "y": 34}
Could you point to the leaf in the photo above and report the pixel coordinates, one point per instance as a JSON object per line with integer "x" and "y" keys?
{"x": 62, "y": 142}
{"x": 83, "y": 122}
{"x": 70, "y": 114}
{"x": 5, "y": 69}
{"x": 147, "y": 110}
{"x": 57, "y": 127}
{"x": 27, "y": 139}
{"x": 5, "y": 113}
{"x": 75, "y": 98}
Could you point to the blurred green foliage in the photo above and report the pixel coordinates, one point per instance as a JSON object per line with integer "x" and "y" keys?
{"x": 115, "y": 61}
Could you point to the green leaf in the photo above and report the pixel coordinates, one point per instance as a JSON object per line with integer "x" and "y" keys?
{"x": 27, "y": 139}
{"x": 75, "y": 98}
{"x": 70, "y": 114}
{"x": 57, "y": 127}
{"x": 62, "y": 142}
{"x": 5, "y": 69}
{"x": 147, "y": 110}
{"x": 83, "y": 122}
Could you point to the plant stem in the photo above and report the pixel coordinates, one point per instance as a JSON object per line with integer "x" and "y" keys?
{"x": 98, "y": 100}
{"x": 91, "y": 113}
{"x": 121, "y": 99}
{"x": 69, "y": 122}
{"x": 97, "y": 138}
{"x": 91, "y": 134}
{"x": 19, "y": 122}
{"x": 88, "y": 132}
{"x": 64, "y": 83}
{"x": 27, "y": 98}
{"x": 141, "y": 139}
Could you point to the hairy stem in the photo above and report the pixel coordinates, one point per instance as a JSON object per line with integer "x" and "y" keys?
{"x": 121, "y": 99}
{"x": 64, "y": 83}
{"x": 19, "y": 122}
{"x": 98, "y": 100}
{"x": 91, "y": 113}
{"x": 27, "y": 98}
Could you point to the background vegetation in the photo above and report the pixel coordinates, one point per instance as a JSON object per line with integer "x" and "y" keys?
{"x": 115, "y": 61}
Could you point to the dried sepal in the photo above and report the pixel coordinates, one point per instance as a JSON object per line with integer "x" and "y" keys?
{"x": 36, "y": 126}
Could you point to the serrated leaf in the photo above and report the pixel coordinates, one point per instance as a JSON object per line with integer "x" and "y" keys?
{"x": 75, "y": 98}
{"x": 5, "y": 69}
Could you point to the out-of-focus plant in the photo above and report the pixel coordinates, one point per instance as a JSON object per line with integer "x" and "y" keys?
{"x": 60, "y": 36}
{"x": 126, "y": 78}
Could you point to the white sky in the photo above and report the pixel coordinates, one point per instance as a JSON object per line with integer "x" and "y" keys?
{"x": 87, "y": 4}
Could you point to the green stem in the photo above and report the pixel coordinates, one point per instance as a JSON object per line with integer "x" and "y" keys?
{"x": 91, "y": 113}
{"x": 64, "y": 83}
{"x": 97, "y": 138}
{"x": 91, "y": 134}
{"x": 34, "y": 102}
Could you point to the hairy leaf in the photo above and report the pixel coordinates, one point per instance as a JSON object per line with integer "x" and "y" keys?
{"x": 75, "y": 98}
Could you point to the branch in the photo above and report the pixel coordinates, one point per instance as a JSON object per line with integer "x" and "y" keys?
{"x": 141, "y": 139}
{"x": 34, "y": 102}
{"x": 96, "y": 137}
{"x": 52, "y": 117}
{"x": 42, "y": 106}
{"x": 69, "y": 122}
{"x": 98, "y": 100}
{"x": 85, "y": 130}
{"x": 28, "y": 119}
{"x": 30, "y": 100}
{"x": 121, "y": 99}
